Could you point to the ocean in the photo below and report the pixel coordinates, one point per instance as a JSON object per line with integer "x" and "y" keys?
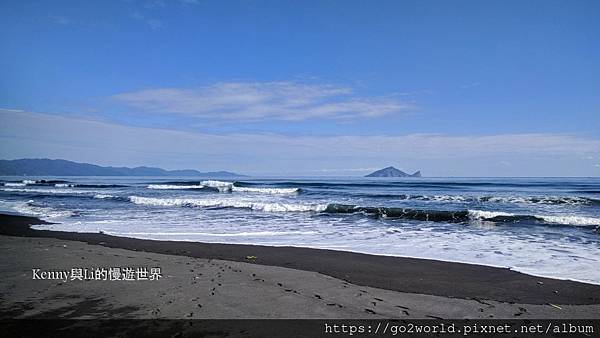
{"x": 542, "y": 226}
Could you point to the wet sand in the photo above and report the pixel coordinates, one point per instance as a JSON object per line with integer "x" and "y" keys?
{"x": 202, "y": 280}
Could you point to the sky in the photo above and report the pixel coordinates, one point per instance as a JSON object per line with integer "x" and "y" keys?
{"x": 451, "y": 88}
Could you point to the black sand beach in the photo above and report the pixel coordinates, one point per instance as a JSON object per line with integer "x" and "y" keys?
{"x": 407, "y": 275}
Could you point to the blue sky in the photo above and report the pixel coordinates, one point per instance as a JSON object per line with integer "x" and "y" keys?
{"x": 484, "y": 88}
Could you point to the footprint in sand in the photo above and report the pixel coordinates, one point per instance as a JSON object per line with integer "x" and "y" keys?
{"x": 435, "y": 317}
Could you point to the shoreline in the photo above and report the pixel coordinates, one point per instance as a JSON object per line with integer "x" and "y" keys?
{"x": 373, "y": 254}
{"x": 401, "y": 274}
{"x": 197, "y": 288}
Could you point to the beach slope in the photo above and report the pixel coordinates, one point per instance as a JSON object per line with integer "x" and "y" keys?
{"x": 201, "y": 280}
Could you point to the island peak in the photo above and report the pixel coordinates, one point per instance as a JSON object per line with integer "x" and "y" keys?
{"x": 392, "y": 172}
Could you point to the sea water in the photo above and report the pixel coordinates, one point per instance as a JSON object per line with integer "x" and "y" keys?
{"x": 542, "y": 226}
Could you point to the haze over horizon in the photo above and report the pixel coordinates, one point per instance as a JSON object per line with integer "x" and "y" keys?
{"x": 305, "y": 88}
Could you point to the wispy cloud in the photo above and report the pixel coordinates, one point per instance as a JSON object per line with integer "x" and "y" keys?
{"x": 26, "y": 134}
{"x": 263, "y": 100}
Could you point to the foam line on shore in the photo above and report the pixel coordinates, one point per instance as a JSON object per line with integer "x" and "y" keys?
{"x": 403, "y": 274}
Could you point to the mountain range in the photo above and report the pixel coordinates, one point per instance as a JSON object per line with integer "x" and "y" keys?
{"x": 48, "y": 167}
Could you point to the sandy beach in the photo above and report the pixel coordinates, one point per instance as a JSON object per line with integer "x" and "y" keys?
{"x": 201, "y": 280}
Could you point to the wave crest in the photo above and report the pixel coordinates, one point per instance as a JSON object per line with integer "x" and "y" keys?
{"x": 174, "y": 187}
{"x": 231, "y": 187}
{"x": 226, "y": 203}
{"x": 462, "y": 216}
{"x": 31, "y": 209}
{"x": 549, "y": 219}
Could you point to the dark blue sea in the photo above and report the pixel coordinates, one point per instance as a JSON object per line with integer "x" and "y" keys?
{"x": 542, "y": 226}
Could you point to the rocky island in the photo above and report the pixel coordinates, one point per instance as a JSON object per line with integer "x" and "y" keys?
{"x": 392, "y": 172}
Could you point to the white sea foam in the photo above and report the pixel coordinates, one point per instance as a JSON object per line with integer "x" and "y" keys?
{"x": 103, "y": 196}
{"x": 482, "y": 215}
{"x": 13, "y": 184}
{"x": 571, "y": 200}
{"x": 266, "y": 190}
{"x": 19, "y": 184}
{"x": 230, "y": 187}
{"x": 47, "y": 191}
{"x": 173, "y": 187}
{"x": 446, "y": 198}
{"x": 227, "y": 203}
{"x": 535, "y": 200}
{"x": 236, "y": 234}
{"x": 25, "y": 183}
{"x": 571, "y": 220}
{"x": 222, "y": 186}
{"x": 29, "y": 208}
{"x": 552, "y": 219}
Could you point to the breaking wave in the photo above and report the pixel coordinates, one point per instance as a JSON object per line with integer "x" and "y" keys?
{"x": 64, "y": 185}
{"x": 58, "y": 184}
{"x": 549, "y": 219}
{"x": 449, "y": 216}
{"x": 103, "y": 196}
{"x": 548, "y": 200}
{"x": 266, "y": 190}
{"x": 404, "y": 213}
{"x": 14, "y": 184}
{"x": 24, "y": 183}
{"x": 31, "y": 209}
{"x": 231, "y": 187}
{"x": 173, "y": 187}
{"x": 227, "y": 203}
{"x": 46, "y": 191}
{"x": 221, "y": 186}
{"x": 100, "y": 186}
{"x": 538, "y": 200}
{"x": 462, "y": 216}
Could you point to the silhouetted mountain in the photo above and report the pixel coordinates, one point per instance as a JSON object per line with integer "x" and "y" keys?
{"x": 392, "y": 172}
{"x": 47, "y": 167}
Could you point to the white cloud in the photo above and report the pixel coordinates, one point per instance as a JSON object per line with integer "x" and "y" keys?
{"x": 27, "y": 134}
{"x": 263, "y": 100}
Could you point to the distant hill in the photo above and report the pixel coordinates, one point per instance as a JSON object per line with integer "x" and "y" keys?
{"x": 46, "y": 167}
{"x": 392, "y": 172}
